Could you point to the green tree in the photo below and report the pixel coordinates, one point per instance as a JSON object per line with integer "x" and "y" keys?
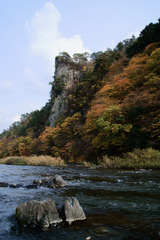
{"x": 80, "y": 57}
{"x": 150, "y": 34}
{"x": 65, "y": 55}
{"x": 113, "y": 130}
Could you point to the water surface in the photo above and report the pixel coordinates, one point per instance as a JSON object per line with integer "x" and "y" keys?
{"x": 119, "y": 205}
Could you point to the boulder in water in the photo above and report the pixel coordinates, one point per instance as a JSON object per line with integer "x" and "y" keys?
{"x": 38, "y": 214}
{"x": 72, "y": 211}
{"x": 51, "y": 182}
{"x": 3, "y": 184}
{"x": 30, "y": 186}
{"x": 56, "y": 181}
{"x": 38, "y": 182}
{"x": 18, "y": 185}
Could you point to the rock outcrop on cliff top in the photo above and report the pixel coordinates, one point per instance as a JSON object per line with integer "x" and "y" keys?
{"x": 65, "y": 80}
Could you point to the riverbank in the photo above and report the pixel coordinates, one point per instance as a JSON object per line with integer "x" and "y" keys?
{"x": 138, "y": 159}
{"x": 34, "y": 161}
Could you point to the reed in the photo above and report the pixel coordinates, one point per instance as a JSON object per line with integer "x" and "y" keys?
{"x": 42, "y": 160}
{"x": 137, "y": 159}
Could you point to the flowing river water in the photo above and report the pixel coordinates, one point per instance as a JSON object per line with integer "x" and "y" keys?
{"x": 119, "y": 204}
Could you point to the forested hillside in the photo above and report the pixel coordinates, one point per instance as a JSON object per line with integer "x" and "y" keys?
{"x": 115, "y": 107}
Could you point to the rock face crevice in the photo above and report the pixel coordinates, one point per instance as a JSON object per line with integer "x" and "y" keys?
{"x": 65, "y": 81}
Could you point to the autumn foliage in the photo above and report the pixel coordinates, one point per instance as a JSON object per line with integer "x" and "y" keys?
{"x": 115, "y": 109}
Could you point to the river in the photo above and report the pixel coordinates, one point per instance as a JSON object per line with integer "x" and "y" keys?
{"x": 119, "y": 204}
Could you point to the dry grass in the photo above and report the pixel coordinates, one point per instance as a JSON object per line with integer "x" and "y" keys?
{"x": 138, "y": 159}
{"x": 34, "y": 161}
{"x": 105, "y": 162}
{"x": 88, "y": 164}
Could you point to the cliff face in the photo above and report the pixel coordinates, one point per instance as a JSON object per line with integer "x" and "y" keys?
{"x": 65, "y": 81}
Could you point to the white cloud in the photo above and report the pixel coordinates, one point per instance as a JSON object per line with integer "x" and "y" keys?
{"x": 46, "y": 39}
{"x": 45, "y": 43}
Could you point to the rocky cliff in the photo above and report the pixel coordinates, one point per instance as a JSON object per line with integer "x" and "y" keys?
{"x": 67, "y": 75}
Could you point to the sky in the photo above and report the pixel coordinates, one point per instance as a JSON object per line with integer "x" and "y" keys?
{"x": 34, "y": 32}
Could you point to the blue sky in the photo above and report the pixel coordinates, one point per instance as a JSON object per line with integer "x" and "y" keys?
{"x": 33, "y": 32}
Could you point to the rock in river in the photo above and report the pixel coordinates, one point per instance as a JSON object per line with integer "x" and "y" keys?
{"x": 43, "y": 214}
{"x": 38, "y": 214}
{"x": 73, "y": 211}
{"x": 56, "y": 181}
{"x": 18, "y": 185}
{"x": 30, "y": 186}
{"x": 51, "y": 182}
{"x": 3, "y": 184}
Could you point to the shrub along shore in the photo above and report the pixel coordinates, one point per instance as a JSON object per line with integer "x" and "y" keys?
{"x": 138, "y": 159}
{"x": 33, "y": 161}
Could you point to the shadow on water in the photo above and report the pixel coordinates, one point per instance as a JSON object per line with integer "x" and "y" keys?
{"x": 113, "y": 226}
{"x": 116, "y": 225}
{"x": 109, "y": 193}
{"x": 119, "y": 205}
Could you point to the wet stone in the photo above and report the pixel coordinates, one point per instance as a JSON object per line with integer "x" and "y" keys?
{"x": 51, "y": 182}
{"x": 56, "y": 181}
{"x": 73, "y": 211}
{"x": 18, "y": 185}
{"x": 3, "y": 184}
{"x": 30, "y": 186}
{"x": 38, "y": 214}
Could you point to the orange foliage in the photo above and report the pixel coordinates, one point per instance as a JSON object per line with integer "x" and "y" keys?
{"x": 124, "y": 113}
{"x": 136, "y": 90}
{"x": 59, "y": 141}
{"x": 46, "y": 139}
